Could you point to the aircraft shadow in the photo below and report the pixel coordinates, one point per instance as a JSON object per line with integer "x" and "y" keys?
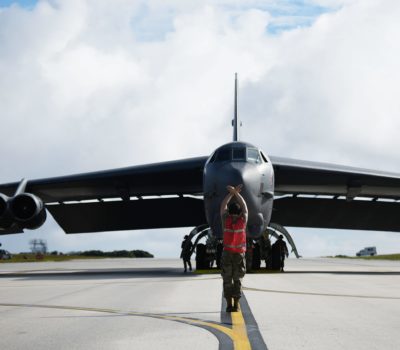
{"x": 367, "y": 273}
{"x": 107, "y": 274}
{"x": 100, "y": 274}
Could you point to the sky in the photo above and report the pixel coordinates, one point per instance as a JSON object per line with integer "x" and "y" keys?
{"x": 88, "y": 85}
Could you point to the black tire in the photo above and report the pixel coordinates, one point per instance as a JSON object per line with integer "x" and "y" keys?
{"x": 256, "y": 263}
{"x": 201, "y": 257}
{"x": 275, "y": 258}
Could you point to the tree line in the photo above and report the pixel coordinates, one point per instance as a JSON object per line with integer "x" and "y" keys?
{"x": 113, "y": 254}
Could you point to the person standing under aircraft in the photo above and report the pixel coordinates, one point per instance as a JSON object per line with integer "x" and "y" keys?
{"x": 283, "y": 251}
{"x": 265, "y": 248}
{"x": 234, "y": 219}
{"x": 186, "y": 252}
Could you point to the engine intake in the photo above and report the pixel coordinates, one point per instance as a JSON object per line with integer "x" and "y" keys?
{"x": 5, "y": 218}
{"x": 27, "y": 210}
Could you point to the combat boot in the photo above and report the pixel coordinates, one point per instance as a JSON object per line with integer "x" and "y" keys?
{"x": 235, "y": 307}
{"x": 229, "y": 306}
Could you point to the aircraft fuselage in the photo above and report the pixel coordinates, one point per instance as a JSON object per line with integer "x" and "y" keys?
{"x": 239, "y": 163}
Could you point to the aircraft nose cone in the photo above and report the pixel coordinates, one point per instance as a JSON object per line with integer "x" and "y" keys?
{"x": 231, "y": 175}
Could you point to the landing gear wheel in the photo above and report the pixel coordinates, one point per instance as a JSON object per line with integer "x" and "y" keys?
{"x": 256, "y": 261}
{"x": 201, "y": 257}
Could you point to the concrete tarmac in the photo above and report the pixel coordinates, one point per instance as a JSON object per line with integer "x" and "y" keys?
{"x": 152, "y": 304}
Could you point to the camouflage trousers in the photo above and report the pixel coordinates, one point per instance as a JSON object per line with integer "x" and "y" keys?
{"x": 233, "y": 271}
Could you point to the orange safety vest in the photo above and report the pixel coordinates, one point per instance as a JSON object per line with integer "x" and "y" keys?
{"x": 235, "y": 235}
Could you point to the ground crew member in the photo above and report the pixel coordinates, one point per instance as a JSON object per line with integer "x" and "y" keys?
{"x": 234, "y": 220}
{"x": 283, "y": 251}
{"x": 186, "y": 246}
{"x": 266, "y": 249}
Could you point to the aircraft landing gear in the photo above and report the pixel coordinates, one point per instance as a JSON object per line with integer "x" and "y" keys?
{"x": 201, "y": 257}
{"x": 253, "y": 256}
{"x": 206, "y": 253}
{"x": 276, "y": 229}
{"x": 211, "y": 251}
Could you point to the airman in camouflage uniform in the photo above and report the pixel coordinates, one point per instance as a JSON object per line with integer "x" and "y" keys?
{"x": 234, "y": 219}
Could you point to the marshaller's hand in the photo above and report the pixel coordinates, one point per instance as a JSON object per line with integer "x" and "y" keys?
{"x": 231, "y": 189}
{"x": 238, "y": 188}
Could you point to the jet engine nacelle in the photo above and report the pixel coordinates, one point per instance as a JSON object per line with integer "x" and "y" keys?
{"x": 27, "y": 210}
{"x": 5, "y": 217}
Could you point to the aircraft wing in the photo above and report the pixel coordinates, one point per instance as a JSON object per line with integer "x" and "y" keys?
{"x": 155, "y": 195}
{"x": 311, "y": 194}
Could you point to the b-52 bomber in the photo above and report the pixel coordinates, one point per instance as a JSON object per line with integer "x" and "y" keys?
{"x": 278, "y": 191}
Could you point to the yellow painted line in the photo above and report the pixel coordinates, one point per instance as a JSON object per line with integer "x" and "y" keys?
{"x": 226, "y": 330}
{"x": 238, "y": 332}
{"x": 240, "y": 338}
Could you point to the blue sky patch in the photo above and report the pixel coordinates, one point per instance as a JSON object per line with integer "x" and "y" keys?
{"x": 294, "y": 14}
{"x": 287, "y": 14}
{"x": 22, "y": 3}
{"x": 152, "y": 25}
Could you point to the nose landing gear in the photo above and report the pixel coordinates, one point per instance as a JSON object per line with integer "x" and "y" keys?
{"x": 210, "y": 252}
{"x": 260, "y": 249}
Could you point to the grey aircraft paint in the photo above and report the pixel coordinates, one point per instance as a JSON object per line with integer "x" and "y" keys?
{"x": 233, "y": 164}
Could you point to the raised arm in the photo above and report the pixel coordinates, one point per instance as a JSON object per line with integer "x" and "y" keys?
{"x": 241, "y": 201}
{"x": 224, "y": 204}
{"x": 234, "y": 192}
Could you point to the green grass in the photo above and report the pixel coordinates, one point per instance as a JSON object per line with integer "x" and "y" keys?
{"x": 19, "y": 258}
{"x": 376, "y": 257}
{"x": 382, "y": 257}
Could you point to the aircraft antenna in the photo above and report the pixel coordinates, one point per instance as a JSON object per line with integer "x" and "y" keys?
{"x": 235, "y": 119}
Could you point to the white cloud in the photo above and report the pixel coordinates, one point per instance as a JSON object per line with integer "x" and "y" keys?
{"x": 89, "y": 85}
{"x": 335, "y": 86}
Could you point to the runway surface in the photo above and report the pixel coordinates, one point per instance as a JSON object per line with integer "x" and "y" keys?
{"x": 151, "y": 304}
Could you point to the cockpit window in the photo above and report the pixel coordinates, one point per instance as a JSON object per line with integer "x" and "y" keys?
{"x": 223, "y": 155}
{"x": 239, "y": 154}
{"x": 253, "y": 155}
